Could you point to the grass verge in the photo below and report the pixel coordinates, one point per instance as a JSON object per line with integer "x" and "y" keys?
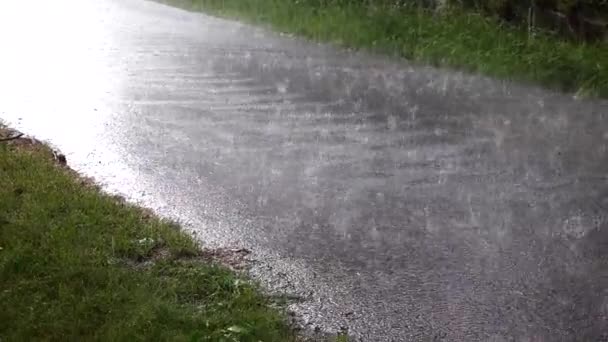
{"x": 453, "y": 38}
{"x": 76, "y": 264}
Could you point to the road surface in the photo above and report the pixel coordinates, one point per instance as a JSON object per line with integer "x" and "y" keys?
{"x": 400, "y": 202}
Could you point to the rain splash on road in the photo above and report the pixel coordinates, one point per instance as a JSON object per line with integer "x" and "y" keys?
{"x": 399, "y": 202}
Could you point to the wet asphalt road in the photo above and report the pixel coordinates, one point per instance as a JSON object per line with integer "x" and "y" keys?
{"x": 400, "y": 202}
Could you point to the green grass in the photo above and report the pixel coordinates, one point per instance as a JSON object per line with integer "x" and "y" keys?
{"x": 455, "y": 39}
{"x": 73, "y": 268}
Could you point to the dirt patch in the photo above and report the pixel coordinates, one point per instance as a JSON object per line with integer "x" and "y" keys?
{"x": 235, "y": 258}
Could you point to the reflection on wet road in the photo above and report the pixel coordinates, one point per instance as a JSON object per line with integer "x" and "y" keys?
{"x": 404, "y": 203}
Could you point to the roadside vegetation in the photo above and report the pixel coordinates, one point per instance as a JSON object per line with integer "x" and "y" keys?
{"x": 561, "y": 44}
{"x": 79, "y": 265}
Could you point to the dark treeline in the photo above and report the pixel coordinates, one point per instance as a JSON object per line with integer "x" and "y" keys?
{"x": 584, "y": 20}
